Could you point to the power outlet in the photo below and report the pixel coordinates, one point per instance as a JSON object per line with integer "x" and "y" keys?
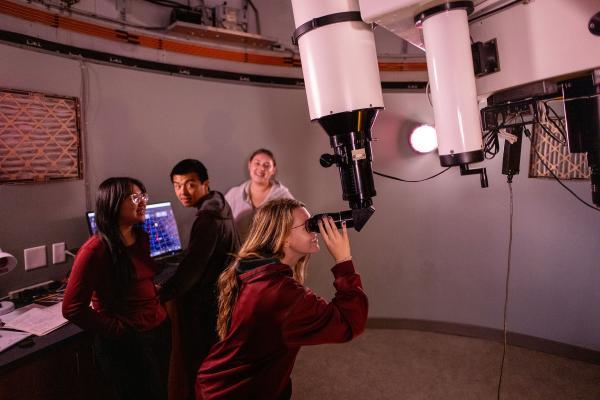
{"x": 35, "y": 257}
{"x": 58, "y": 253}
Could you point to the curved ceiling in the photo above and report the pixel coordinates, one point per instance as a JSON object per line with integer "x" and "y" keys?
{"x": 84, "y": 29}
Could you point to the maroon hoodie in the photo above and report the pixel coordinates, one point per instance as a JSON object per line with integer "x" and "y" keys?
{"x": 91, "y": 279}
{"x": 274, "y": 315}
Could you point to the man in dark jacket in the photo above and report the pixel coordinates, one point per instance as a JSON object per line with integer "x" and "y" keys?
{"x": 213, "y": 240}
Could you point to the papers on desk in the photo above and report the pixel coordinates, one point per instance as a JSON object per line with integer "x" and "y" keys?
{"x": 35, "y": 319}
{"x": 9, "y": 338}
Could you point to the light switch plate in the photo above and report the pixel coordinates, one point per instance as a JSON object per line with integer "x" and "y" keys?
{"x": 58, "y": 253}
{"x": 35, "y": 257}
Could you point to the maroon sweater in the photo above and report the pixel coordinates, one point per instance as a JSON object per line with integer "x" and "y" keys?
{"x": 90, "y": 279}
{"x": 274, "y": 315}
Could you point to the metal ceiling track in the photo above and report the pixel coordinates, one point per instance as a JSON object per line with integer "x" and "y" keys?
{"x": 45, "y": 46}
{"x": 59, "y": 21}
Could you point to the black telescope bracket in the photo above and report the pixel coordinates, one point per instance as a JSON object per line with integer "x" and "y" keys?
{"x": 464, "y": 170}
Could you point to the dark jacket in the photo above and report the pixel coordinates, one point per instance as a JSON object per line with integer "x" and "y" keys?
{"x": 273, "y": 317}
{"x": 213, "y": 240}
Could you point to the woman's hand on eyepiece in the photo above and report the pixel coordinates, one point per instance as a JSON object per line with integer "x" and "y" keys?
{"x": 337, "y": 242}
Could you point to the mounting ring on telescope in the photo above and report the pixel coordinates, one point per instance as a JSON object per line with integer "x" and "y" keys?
{"x": 325, "y": 20}
{"x": 453, "y": 5}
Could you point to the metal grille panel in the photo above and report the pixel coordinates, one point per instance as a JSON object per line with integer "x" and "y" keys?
{"x": 555, "y": 154}
{"x": 40, "y": 137}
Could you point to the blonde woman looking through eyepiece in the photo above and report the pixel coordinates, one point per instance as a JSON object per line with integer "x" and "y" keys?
{"x": 266, "y": 313}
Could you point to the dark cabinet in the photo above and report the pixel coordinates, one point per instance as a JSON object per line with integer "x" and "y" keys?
{"x": 66, "y": 371}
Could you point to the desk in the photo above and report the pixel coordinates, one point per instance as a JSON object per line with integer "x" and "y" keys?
{"x": 59, "y": 365}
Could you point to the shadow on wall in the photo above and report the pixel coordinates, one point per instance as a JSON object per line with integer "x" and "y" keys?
{"x": 216, "y": 133}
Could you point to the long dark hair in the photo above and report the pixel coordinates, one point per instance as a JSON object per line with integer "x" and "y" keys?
{"x": 111, "y": 193}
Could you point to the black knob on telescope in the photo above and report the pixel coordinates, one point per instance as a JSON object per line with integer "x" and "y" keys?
{"x": 327, "y": 160}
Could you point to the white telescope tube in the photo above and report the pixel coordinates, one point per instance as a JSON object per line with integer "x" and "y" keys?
{"x": 453, "y": 91}
{"x": 339, "y": 60}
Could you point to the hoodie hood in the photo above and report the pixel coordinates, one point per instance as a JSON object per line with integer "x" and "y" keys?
{"x": 248, "y": 264}
{"x": 214, "y": 203}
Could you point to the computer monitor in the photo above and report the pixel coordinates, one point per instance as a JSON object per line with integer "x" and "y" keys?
{"x": 161, "y": 227}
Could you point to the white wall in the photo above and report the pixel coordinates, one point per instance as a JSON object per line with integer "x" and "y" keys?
{"x": 435, "y": 250}
{"x": 34, "y": 215}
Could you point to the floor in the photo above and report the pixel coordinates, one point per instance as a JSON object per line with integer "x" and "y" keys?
{"x": 411, "y": 365}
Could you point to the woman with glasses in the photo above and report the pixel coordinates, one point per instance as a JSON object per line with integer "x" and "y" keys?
{"x": 266, "y": 314}
{"x": 114, "y": 271}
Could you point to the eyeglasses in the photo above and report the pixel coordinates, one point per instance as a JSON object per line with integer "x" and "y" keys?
{"x": 298, "y": 226}
{"x": 137, "y": 197}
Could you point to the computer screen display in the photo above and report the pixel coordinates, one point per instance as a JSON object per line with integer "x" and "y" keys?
{"x": 161, "y": 227}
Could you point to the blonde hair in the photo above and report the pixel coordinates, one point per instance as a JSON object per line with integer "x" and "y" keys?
{"x": 271, "y": 225}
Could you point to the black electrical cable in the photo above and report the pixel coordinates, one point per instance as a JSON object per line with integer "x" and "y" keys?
{"x": 255, "y": 15}
{"x": 528, "y": 134}
{"x": 407, "y": 180}
{"x": 549, "y": 133}
{"x": 491, "y": 143}
{"x": 504, "y": 329}
{"x": 560, "y": 128}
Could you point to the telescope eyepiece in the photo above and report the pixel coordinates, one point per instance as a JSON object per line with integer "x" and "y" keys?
{"x": 356, "y": 218}
{"x": 312, "y": 224}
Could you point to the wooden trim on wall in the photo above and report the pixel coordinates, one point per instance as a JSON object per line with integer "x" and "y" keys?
{"x": 496, "y": 335}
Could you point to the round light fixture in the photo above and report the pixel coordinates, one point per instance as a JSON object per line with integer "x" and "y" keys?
{"x": 423, "y": 139}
